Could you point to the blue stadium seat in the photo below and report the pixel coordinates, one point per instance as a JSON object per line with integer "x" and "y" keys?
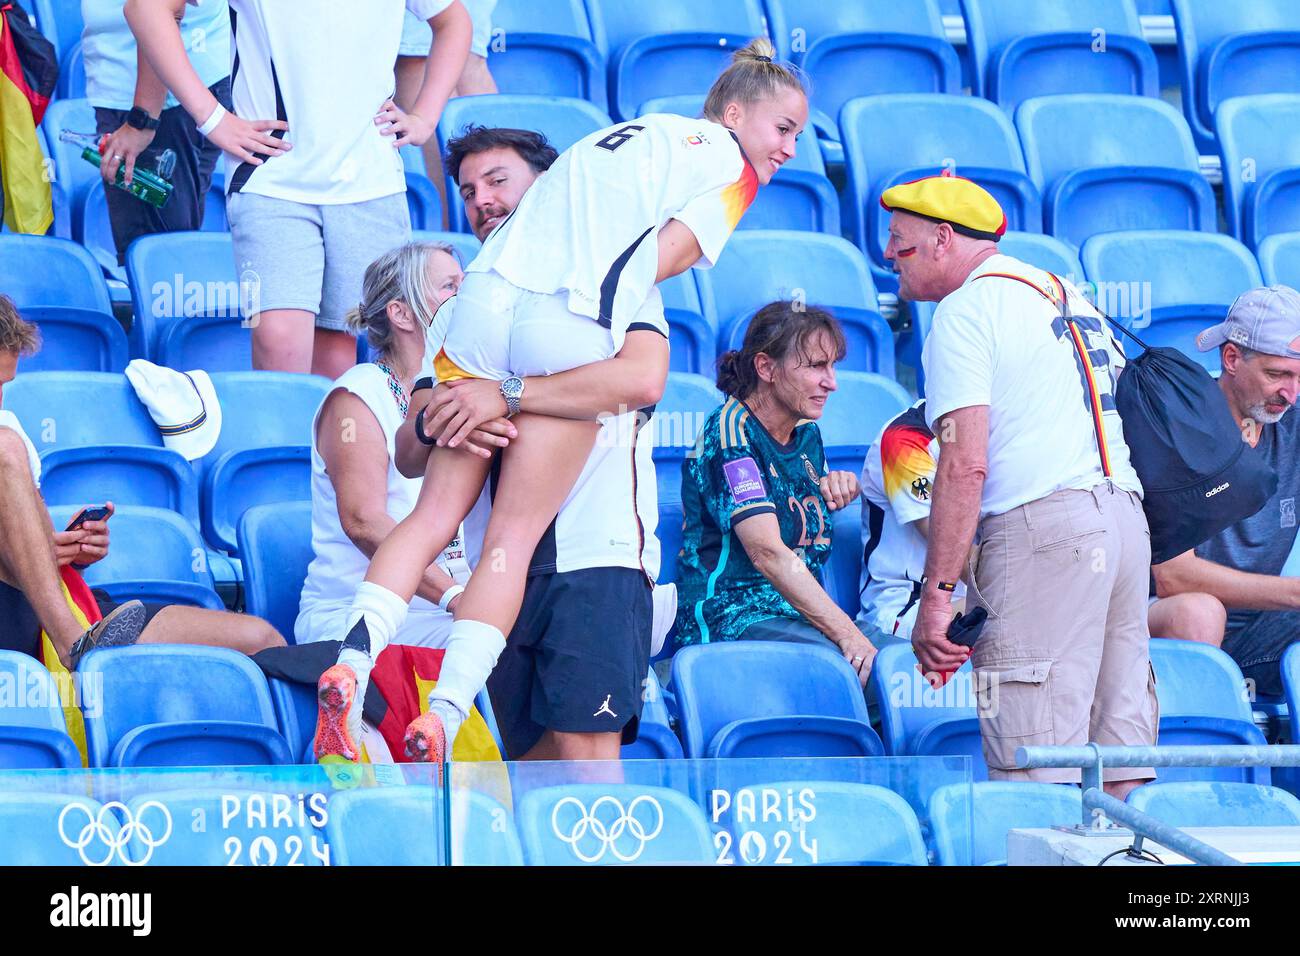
{"x": 148, "y": 544}
{"x": 72, "y": 75}
{"x": 76, "y": 340}
{"x": 719, "y": 684}
{"x": 954, "y": 738}
{"x": 214, "y": 205}
{"x": 1045, "y": 252}
{"x": 861, "y": 405}
{"x": 33, "y": 733}
{"x": 1259, "y": 140}
{"x": 400, "y": 826}
{"x": 242, "y": 829}
{"x": 423, "y": 202}
{"x": 295, "y": 714}
{"x": 847, "y": 457}
{"x": 667, "y": 64}
{"x": 185, "y": 593}
{"x": 1021, "y": 48}
{"x": 1203, "y": 700}
{"x": 1176, "y": 326}
{"x": 1279, "y": 259}
{"x": 258, "y": 458}
{"x": 616, "y": 23}
{"x": 908, "y": 704}
{"x": 669, "y": 533}
{"x": 655, "y": 737}
{"x": 241, "y": 479}
{"x": 690, "y": 341}
{"x": 796, "y": 736}
{"x": 855, "y": 824}
{"x": 1137, "y": 167}
{"x": 97, "y": 232}
{"x": 127, "y": 475}
{"x": 30, "y": 822}
{"x": 51, "y": 407}
{"x": 1224, "y": 51}
{"x": 868, "y": 338}
{"x": 275, "y": 548}
{"x": 1205, "y": 804}
{"x": 687, "y": 403}
{"x": 1195, "y": 679}
{"x": 180, "y": 705}
{"x": 1170, "y": 268}
{"x": 73, "y": 174}
{"x": 968, "y": 135}
{"x": 44, "y": 270}
{"x": 762, "y": 266}
{"x": 844, "y": 573}
{"x": 555, "y": 828}
{"x": 974, "y": 832}
{"x": 546, "y": 49}
{"x": 187, "y": 275}
{"x": 465, "y": 244}
{"x": 60, "y": 21}
{"x": 563, "y": 121}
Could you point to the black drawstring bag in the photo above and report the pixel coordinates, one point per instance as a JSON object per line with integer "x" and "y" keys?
{"x": 1187, "y": 451}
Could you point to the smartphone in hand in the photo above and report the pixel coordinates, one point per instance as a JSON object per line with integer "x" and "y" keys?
{"x": 89, "y": 513}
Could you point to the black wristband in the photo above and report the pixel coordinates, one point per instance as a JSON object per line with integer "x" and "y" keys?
{"x": 419, "y": 430}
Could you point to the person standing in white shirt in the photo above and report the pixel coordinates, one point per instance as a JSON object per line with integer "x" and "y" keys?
{"x": 319, "y": 192}
{"x": 1033, "y": 454}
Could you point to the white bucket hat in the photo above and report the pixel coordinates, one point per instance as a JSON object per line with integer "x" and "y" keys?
{"x": 183, "y": 405}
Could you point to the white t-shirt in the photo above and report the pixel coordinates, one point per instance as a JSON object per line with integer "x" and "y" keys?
{"x": 339, "y": 565}
{"x": 998, "y": 342}
{"x": 326, "y": 67}
{"x": 589, "y": 224}
{"x": 610, "y": 516}
{"x": 110, "y": 55}
{"x": 9, "y": 420}
{"x": 897, "y": 485}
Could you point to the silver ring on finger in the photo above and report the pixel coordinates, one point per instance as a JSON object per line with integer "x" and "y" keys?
{"x": 117, "y": 157}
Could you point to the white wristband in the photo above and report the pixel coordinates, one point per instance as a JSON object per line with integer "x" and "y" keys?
{"x": 449, "y": 595}
{"x": 211, "y": 123}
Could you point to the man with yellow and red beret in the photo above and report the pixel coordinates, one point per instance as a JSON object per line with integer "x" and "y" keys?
{"x": 1032, "y": 455}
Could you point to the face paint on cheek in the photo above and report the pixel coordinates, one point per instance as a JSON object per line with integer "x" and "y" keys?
{"x": 905, "y": 253}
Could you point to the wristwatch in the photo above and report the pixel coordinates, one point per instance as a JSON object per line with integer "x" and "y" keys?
{"x": 512, "y": 390}
{"x": 139, "y": 118}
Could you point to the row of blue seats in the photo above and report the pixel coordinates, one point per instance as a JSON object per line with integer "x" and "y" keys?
{"x": 855, "y": 823}
{"x": 621, "y": 53}
{"x": 1137, "y": 167}
{"x": 163, "y": 500}
{"x": 187, "y": 294}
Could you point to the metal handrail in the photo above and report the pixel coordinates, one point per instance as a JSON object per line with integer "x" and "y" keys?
{"x": 1145, "y": 826}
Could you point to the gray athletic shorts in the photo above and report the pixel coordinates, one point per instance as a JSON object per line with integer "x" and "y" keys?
{"x": 417, "y": 36}
{"x": 312, "y": 257}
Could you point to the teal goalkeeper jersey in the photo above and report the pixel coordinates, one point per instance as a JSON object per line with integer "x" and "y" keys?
{"x": 738, "y": 471}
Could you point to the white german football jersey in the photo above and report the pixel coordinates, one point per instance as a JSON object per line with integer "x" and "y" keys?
{"x": 589, "y": 225}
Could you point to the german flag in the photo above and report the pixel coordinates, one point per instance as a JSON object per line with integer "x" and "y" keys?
{"x": 85, "y": 610}
{"x": 28, "y": 71}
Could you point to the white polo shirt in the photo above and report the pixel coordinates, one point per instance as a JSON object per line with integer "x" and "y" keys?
{"x": 326, "y": 67}
{"x": 997, "y": 342}
{"x": 10, "y": 420}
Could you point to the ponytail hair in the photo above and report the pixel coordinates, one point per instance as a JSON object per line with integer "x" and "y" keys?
{"x": 778, "y": 330}
{"x": 396, "y": 276}
{"x": 754, "y": 74}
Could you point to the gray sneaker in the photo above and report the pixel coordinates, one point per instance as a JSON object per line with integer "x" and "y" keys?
{"x": 120, "y": 627}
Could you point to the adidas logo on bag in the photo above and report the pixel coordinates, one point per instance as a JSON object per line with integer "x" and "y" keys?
{"x": 1214, "y": 491}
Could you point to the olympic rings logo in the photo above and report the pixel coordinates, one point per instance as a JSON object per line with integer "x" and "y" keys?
{"x": 115, "y": 841}
{"x": 606, "y": 830}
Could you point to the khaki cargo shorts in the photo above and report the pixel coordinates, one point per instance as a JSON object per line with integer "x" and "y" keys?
{"x": 1064, "y": 657}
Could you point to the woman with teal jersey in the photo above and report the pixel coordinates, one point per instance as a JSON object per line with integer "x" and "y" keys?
{"x": 757, "y": 495}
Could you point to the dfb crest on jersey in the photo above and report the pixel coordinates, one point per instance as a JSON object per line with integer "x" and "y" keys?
{"x": 921, "y": 489}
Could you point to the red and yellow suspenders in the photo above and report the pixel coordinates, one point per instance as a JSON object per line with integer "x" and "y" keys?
{"x": 1059, "y": 299}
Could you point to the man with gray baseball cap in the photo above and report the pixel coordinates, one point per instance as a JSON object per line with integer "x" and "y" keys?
{"x": 1259, "y": 343}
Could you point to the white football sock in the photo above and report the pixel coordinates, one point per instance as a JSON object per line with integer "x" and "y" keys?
{"x": 472, "y": 652}
{"x": 384, "y": 613}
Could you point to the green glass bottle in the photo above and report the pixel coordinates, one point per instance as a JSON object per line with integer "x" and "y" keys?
{"x": 147, "y": 185}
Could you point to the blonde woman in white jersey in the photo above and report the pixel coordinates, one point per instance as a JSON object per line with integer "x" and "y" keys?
{"x": 358, "y": 495}
{"x": 567, "y": 280}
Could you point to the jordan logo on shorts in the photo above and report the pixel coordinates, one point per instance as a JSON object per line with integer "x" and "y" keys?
{"x": 604, "y": 708}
